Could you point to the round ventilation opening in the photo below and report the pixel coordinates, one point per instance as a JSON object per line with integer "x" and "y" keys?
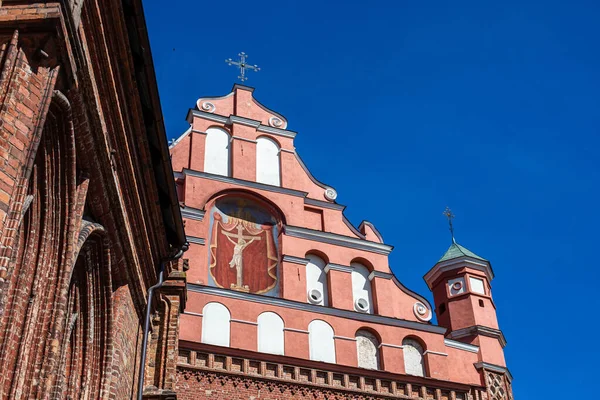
{"x": 361, "y": 304}
{"x": 315, "y": 296}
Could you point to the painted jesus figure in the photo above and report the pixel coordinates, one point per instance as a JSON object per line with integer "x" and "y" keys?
{"x": 237, "y": 259}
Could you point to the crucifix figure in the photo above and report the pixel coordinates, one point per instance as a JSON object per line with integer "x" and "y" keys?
{"x": 242, "y": 65}
{"x": 237, "y": 260}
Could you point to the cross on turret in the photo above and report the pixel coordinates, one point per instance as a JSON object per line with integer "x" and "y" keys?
{"x": 448, "y": 213}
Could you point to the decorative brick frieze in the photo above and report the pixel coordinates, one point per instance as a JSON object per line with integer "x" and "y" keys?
{"x": 237, "y": 377}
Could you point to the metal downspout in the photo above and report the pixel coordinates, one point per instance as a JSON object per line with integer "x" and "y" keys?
{"x": 151, "y": 290}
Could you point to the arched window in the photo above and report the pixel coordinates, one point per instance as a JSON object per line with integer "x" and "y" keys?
{"x": 367, "y": 348}
{"x": 321, "y": 342}
{"x": 270, "y": 333}
{"x": 216, "y": 152}
{"x": 361, "y": 288}
{"x": 267, "y": 161}
{"x": 413, "y": 357}
{"x": 316, "y": 281}
{"x": 215, "y": 324}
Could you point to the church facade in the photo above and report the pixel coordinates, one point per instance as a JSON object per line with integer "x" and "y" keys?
{"x": 287, "y": 299}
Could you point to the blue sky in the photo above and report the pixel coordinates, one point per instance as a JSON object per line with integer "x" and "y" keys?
{"x": 491, "y": 108}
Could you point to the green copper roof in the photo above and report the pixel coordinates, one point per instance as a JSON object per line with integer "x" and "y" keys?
{"x": 456, "y": 251}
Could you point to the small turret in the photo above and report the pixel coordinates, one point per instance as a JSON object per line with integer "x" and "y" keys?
{"x": 461, "y": 286}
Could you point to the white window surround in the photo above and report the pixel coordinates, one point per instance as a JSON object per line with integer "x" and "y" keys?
{"x": 316, "y": 279}
{"x": 270, "y": 333}
{"x": 413, "y": 357}
{"x": 367, "y": 349}
{"x": 217, "y": 152}
{"x": 268, "y": 168}
{"x": 321, "y": 341}
{"x": 361, "y": 288}
{"x": 216, "y": 324}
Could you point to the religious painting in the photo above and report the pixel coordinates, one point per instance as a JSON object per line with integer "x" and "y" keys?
{"x": 244, "y": 247}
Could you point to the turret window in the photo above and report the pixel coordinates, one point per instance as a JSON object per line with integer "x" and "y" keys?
{"x": 476, "y": 285}
{"x": 442, "y": 308}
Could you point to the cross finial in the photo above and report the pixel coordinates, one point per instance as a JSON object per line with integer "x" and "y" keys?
{"x": 448, "y": 213}
{"x": 241, "y": 64}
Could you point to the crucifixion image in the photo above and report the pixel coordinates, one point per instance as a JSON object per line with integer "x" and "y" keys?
{"x": 237, "y": 260}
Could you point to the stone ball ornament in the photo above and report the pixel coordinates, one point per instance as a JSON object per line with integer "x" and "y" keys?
{"x": 421, "y": 312}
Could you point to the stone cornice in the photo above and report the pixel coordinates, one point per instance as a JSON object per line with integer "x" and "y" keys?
{"x": 469, "y": 262}
{"x": 196, "y": 240}
{"x": 338, "y": 240}
{"x": 295, "y": 260}
{"x": 496, "y": 368}
{"x": 192, "y": 213}
{"x": 461, "y": 346}
{"x": 437, "y": 353}
{"x": 479, "y": 330}
{"x": 316, "y": 309}
{"x": 235, "y": 119}
{"x": 324, "y": 204}
{"x": 242, "y": 182}
{"x": 337, "y": 267}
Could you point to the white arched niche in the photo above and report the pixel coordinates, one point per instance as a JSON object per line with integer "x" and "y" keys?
{"x": 316, "y": 281}
{"x": 215, "y": 324}
{"x": 321, "y": 342}
{"x": 367, "y": 349}
{"x": 361, "y": 288}
{"x": 216, "y": 152}
{"x": 270, "y": 333}
{"x": 267, "y": 162}
{"x": 413, "y": 357}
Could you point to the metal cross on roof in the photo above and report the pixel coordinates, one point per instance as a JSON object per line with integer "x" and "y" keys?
{"x": 448, "y": 213}
{"x": 241, "y": 64}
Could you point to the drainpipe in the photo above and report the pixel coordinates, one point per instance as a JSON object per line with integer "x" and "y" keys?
{"x": 161, "y": 280}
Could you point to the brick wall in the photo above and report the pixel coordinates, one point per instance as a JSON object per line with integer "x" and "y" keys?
{"x": 127, "y": 344}
{"x": 81, "y": 228}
